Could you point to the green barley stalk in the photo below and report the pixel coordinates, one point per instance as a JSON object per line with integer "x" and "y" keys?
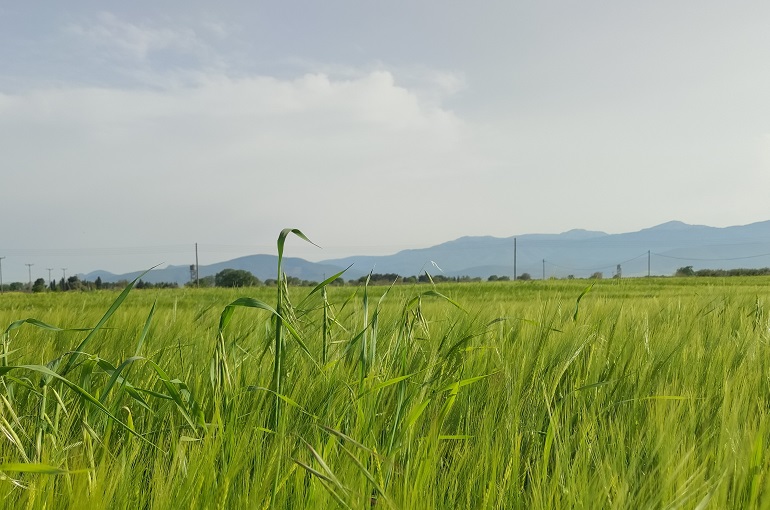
{"x": 280, "y": 342}
{"x": 325, "y": 326}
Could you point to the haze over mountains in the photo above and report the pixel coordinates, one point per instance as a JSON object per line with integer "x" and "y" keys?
{"x": 581, "y": 253}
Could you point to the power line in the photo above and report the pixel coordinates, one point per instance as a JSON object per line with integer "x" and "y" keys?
{"x": 596, "y": 268}
{"x": 714, "y": 259}
{"x": 129, "y": 250}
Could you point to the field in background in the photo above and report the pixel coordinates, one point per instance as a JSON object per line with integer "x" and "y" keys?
{"x": 637, "y": 393}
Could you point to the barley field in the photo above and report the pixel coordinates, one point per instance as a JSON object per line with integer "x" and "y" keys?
{"x": 634, "y": 393}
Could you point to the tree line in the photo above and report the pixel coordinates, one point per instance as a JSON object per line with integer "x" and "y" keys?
{"x": 74, "y": 283}
{"x": 689, "y": 271}
{"x": 234, "y": 278}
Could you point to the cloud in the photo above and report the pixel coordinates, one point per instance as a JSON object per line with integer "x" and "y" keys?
{"x": 222, "y": 157}
{"x": 139, "y": 41}
{"x": 764, "y": 152}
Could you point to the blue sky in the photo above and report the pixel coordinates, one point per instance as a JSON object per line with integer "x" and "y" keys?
{"x": 130, "y": 131}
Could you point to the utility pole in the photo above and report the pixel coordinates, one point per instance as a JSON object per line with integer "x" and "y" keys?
{"x": 64, "y": 278}
{"x": 1, "y": 274}
{"x": 197, "y": 275}
{"x": 29, "y": 269}
{"x": 648, "y": 263}
{"x": 49, "y": 275}
{"x": 514, "y": 259}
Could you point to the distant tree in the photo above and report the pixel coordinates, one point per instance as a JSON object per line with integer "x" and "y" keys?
{"x": 685, "y": 271}
{"x": 39, "y": 285}
{"x": 492, "y": 278}
{"x": 597, "y": 275}
{"x": 525, "y": 276}
{"x": 380, "y": 279}
{"x": 206, "y": 281}
{"x": 16, "y": 286}
{"x": 98, "y": 282}
{"x": 74, "y": 283}
{"x": 504, "y": 278}
{"x": 235, "y": 278}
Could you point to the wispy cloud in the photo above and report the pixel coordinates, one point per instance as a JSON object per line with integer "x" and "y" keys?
{"x": 140, "y": 41}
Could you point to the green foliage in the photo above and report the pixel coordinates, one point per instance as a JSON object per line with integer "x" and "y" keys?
{"x": 640, "y": 393}
{"x": 380, "y": 279}
{"x": 39, "y": 285}
{"x": 204, "y": 282}
{"x": 235, "y": 278}
{"x": 689, "y": 271}
{"x": 685, "y": 271}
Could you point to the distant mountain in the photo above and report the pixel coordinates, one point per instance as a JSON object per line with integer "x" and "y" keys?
{"x": 581, "y": 253}
{"x": 577, "y": 252}
{"x": 262, "y": 266}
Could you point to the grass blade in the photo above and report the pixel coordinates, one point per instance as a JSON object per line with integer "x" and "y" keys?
{"x": 115, "y": 305}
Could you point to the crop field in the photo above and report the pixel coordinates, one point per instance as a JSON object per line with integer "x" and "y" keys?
{"x": 634, "y": 393}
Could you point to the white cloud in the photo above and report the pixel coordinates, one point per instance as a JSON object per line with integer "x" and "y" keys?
{"x": 138, "y": 41}
{"x": 764, "y": 153}
{"x": 228, "y": 125}
{"x": 211, "y": 161}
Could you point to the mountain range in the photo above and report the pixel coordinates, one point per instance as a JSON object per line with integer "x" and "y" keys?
{"x": 659, "y": 250}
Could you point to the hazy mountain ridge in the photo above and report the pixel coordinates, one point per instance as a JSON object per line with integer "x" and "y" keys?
{"x": 671, "y": 245}
{"x": 576, "y": 252}
{"x": 262, "y": 266}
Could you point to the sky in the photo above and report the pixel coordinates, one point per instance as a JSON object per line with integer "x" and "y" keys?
{"x": 129, "y": 131}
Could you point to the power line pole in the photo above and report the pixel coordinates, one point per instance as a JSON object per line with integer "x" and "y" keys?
{"x": 29, "y": 269}
{"x": 49, "y": 275}
{"x": 514, "y": 259}
{"x": 1, "y": 274}
{"x": 197, "y": 281}
{"x": 64, "y": 278}
{"x": 648, "y": 263}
